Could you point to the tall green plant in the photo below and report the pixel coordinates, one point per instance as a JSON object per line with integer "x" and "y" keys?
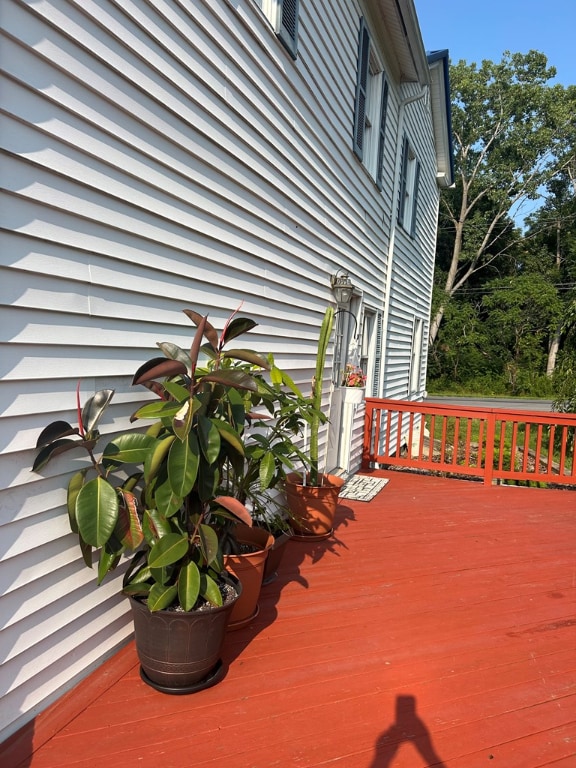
{"x": 316, "y": 415}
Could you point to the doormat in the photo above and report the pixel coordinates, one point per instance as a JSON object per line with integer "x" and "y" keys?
{"x": 362, "y": 488}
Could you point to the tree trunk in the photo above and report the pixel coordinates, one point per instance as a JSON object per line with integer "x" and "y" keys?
{"x": 450, "y": 279}
{"x": 553, "y": 349}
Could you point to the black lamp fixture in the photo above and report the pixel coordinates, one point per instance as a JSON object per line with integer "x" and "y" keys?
{"x": 342, "y": 287}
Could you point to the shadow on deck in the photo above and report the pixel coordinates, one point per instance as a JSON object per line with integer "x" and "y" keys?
{"x": 436, "y": 628}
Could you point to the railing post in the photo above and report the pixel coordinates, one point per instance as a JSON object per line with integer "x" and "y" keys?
{"x": 490, "y": 439}
{"x": 368, "y": 428}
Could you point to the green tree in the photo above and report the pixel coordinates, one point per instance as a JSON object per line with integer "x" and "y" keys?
{"x": 519, "y": 314}
{"x": 551, "y": 238}
{"x": 511, "y": 133}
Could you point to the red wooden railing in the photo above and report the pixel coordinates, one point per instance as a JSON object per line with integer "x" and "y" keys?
{"x": 486, "y": 443}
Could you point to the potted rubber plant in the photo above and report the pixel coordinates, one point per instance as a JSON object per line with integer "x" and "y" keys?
{"x": 312, "y": 496}
{"x": 154, "y": 496}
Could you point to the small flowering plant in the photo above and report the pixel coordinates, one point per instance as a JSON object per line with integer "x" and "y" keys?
{"x": 353, "y": 376}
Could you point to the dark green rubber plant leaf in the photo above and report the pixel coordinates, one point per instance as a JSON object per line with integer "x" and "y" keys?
{"x": 95, "y": 407}
{"x": 108, "y": 562}
{"x": 177, "y": 391}
{"x": 167, "y": 502}
{"x": 156, "y": 457}
{"x": 210, "y": 590}
{"x": 155, "y": 525}
{"x": 137, "y": 589}
{"x": 209, "y": 439}
{"x": 86, "y": 550}
{"x": 209, "y": 544}
{"x": 55, "y": 448}
{"x": 183, "y": 459}
{"x": 233, "y": 378}
{"x": 74, "y": 486}
{"x": 161, "y": 597}
{"x": 248, "y": 356}
{"x": 161, "y": 575}
{"x": 208, "y": 479}
{"x": 168, "y": 550}
{"x": 229, "y": 434}
{"x": 188, "y": 586}
{"x": 55, "y": 431}
{"x": 97, "y": 511}
{"x": 158, "y": 409}
{"x": 130, "y": 448}
{"x": 266, "y": 470}
{"x": 237, "y": 327}
{"x": 182, "y": 421}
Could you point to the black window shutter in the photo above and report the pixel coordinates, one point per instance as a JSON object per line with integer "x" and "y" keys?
{"x": 403, "y": 180}
{"x": 383, "y": 111}
{"x": 288, "y": 26}
{"x": 415, "y": 200}
{"x": 361, "y": 83}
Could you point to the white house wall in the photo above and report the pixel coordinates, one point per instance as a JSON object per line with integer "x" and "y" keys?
{"x": 412, "y": 259}
{"x": 158, "y": 155}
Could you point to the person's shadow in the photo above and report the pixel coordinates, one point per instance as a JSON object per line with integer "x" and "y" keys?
{"x": 408, "y": 728}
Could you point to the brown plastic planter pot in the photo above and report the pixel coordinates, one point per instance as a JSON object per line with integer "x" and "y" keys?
{"x": 249, "y": 569}
{"x": 313, "y": 508}
{"x": 179, "y": 651}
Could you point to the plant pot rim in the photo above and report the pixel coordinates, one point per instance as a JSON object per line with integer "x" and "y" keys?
{"x": 334, "y": 481}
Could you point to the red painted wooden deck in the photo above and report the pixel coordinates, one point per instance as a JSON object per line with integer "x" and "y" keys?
{"x": 436, "y": 628}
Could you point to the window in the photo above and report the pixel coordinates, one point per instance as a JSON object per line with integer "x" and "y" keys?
{"x": 371, "y": 350}
{"x": 409, "y": 178}
{"x": 283, "y": 15}
{"x": 370, "y": 107}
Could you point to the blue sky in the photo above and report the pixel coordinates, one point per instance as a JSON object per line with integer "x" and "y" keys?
{"x": 485, "y": 28}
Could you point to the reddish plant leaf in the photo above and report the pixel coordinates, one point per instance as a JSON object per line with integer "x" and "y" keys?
{"x": 208, "y": 330}
{"x": 55, "y": 431}
{"x": 158, "y": 368}
{"x": 235, "y": 507}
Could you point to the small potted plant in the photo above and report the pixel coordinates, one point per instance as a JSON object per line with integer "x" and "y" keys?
{"x": 313, "y": 496}
{"x": 353, "y": 384}
{"x": 156, "y": 496}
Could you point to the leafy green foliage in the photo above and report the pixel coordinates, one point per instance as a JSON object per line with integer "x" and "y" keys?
{"x": 195, "y": 465}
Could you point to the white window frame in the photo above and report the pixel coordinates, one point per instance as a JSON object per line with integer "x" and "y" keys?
{"x": 409, "y": 181}
{"x": 371, "y": 106}
{"x": 287, "y": 33}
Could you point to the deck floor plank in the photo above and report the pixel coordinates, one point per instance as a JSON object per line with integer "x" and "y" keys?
{"x": 437, "y": 627}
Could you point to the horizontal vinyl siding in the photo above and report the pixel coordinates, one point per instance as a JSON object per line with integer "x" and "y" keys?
{"x": 155, "y": 156}
{"x": 413, "y": 261}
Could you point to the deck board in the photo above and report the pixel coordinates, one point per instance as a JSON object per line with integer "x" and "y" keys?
{"x": 437, "y": 627}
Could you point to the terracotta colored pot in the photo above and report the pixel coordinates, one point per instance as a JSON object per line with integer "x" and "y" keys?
{"x": 179, "y": 651}
{"x": 249, "y": 569}
{"x": 313, "y": 508}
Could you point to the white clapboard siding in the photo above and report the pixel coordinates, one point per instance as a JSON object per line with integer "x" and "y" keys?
{"x": 158, "y": 155}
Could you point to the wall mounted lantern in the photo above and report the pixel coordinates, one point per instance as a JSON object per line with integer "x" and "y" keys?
{"x": 342, "y": 287}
